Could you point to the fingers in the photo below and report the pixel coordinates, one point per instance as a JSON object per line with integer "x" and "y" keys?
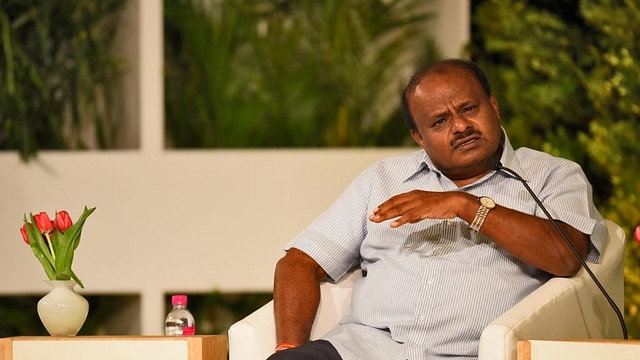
{"x": 379, "y": 218}
{"x": 401, "y": 219}
{"x": 417, "y": 205}
{"x": 405, "y": 207}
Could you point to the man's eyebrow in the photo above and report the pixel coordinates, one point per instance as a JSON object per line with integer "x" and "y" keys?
{"x": 438, "y": 113}
{"x": 465, "y": 103}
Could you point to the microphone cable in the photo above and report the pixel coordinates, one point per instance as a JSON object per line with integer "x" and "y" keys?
{"x": 496, "y": 165}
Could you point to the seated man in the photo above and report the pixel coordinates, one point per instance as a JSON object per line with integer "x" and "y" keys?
{"x": 446, "y": 244}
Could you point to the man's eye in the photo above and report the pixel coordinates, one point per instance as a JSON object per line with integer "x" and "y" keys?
{"x": 439, "y": 121}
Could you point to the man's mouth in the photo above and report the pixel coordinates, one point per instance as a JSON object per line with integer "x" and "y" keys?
{"x": 465, "y": 142}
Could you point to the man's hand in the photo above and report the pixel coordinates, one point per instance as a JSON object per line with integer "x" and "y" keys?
{"x": 417, "y": 205}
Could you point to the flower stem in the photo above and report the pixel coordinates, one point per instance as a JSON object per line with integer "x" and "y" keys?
{"x": 53, "y": 253}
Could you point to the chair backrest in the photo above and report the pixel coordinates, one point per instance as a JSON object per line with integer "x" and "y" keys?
{"x": 334, "y": 301}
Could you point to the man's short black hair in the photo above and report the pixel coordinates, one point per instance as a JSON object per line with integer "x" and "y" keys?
{"x": 439, "y": 67}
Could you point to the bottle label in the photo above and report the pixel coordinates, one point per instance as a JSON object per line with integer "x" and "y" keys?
{"x": 189, "y": 330}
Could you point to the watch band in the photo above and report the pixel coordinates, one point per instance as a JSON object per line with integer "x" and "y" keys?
{"x": 486, "y": 204}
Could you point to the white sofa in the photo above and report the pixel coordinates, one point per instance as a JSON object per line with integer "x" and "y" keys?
{"x": 563, "y": 308}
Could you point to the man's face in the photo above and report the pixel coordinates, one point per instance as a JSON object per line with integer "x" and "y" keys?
{"x": 457, "y": 124}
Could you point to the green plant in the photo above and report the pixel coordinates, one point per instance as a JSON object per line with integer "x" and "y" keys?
{"x": 566, "y": 76}
{"x": 56, "y": 73}
{"x": 282, "y": 73}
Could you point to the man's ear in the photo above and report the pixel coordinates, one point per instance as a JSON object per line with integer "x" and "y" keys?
{"x": 417, "y": 137}
{"x": 494, "y": 105}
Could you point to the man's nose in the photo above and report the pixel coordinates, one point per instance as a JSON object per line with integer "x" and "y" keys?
{"x": 459, "y": 123}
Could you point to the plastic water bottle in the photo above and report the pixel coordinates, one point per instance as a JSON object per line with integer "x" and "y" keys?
{"x": 179, "y": 321}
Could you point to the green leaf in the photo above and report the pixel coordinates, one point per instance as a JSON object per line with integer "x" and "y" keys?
{"x": 39, "y": 249}
{"x": 40, "y": 243}
{"x": 68, "y": 273}
{"x": 68, "y": 242}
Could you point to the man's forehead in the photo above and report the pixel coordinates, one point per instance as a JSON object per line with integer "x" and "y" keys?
{"x": 446, "y": 84}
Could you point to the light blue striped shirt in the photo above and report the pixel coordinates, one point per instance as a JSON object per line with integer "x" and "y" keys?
{"x": 431, "y": 287}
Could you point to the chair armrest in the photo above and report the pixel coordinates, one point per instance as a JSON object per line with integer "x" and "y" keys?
{"x": 563, "y": 308}
{"x": 254, "y": 337}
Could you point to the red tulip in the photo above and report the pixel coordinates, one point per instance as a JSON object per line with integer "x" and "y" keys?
{"x": 63, "y": 221}
{"x": 23, "y": 231}
{"x": 45, "y": 225}
{"x": 637, "y": 234}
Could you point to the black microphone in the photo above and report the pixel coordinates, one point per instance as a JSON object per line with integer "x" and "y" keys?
{"x": 496, "y": 165}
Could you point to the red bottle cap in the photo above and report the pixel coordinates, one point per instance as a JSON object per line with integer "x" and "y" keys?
{"x": 179, "y": 300}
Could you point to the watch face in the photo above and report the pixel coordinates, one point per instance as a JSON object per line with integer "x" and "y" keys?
{"x": 487, "y": 202}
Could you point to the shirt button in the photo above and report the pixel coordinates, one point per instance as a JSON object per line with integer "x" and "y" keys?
{"x": 422, "y": 318}
{"x": 430, "y": 281}
{"x": 449, "y": 222}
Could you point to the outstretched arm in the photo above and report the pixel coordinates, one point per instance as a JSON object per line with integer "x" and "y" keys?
{"x": 296, "y": 296}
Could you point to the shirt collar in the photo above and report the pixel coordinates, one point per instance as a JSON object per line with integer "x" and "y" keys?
{"x": 508, "y": 158}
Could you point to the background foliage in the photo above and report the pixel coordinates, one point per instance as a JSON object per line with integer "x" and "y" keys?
{"x": 56, "y": 73}
{"x": 567, "y": 78}
{"x": 283, "y": 73}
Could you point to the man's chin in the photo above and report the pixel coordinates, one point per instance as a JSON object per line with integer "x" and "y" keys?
{"x": 465, "y": 170}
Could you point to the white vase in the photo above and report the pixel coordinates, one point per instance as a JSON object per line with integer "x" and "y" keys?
{"x": 63, "y": 311}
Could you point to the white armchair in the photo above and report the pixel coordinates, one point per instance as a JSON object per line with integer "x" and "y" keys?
{"x": 563, "y": 308}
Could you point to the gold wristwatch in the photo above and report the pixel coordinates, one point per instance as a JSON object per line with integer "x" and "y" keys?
{"x": 486, "y": 204}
